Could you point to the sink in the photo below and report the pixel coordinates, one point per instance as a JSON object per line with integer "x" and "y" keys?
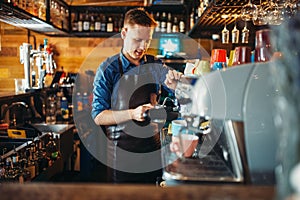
{"x": 52, "y": 128}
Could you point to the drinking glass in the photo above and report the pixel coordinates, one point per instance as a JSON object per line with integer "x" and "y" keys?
{"x": 247, "y": 11}
{"x": 225, "y": 35}
{"x": 245, "y": 34}
{"x": 235, "y": 35}
{"x": 259, "y": 15}
{"x": 274, "y": 15}
{"x": 289, "y": 9}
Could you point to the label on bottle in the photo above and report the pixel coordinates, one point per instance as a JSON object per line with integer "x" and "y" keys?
{"x": 64, "y": 108}
{"x": 86, "y": 25}
{"x": 97, "y": 26}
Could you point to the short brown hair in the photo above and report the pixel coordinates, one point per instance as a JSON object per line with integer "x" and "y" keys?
{"x": 139, "y": 16}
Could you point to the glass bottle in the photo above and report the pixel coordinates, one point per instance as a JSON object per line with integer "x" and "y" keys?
{"x": 92, "y": 23}
{"x": 110, "y": 25}
{"x": 163, "y": 22}
{"x": 169, "y": 23}
{"x": 80, "y": 23}
{"x": 103, "y": 24}
{"x": 175, "y": 27}
{"x": 42, "y": 10}
{"x": 97, "y": 23}
{"x": 157, "y": 19}
{"x": 86, "y": 23}
{"x": 181, "y": 26}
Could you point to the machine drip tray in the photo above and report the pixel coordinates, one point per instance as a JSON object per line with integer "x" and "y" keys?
{"x": 209, "y": 168}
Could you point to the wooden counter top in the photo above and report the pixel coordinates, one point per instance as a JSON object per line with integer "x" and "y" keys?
{"x": 73, "y": 191}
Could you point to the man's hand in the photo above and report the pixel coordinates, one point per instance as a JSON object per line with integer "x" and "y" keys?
{"x": 171, "y": 78}
{"x": 138, "y": 113}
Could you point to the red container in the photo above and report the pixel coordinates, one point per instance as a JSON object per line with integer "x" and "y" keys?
{"x": 218, "y": 55}
{"x": 263, "y": 47}
{"x": 242, "y": 55}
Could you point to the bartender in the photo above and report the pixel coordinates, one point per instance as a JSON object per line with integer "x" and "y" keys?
{"x": 126, "y": 86}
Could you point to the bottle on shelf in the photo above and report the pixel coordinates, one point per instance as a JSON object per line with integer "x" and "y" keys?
{"x": 64, "y": 108}
{"x": 103, "y": 23}
{"x": 62, "y": 17}
{"x": 192, "y": 19}
{"x": 92, "y": 23}
{"x": 85, "y": 101}
{"x": 181, "y": 26}
{"x": 169, "y": 23}
{"x": 97, "y": 23}
{"x": 157, "y": 19}
{"x": 66, "y": 19}
{"x": 79, "y": 103}
{"x": 116, "y": 25}
{"x": 42, "y": 10}
{"x": 175, "y": 26}
{"x": 80, "y": 23}
{"x": 74, "y": 18}
{"x": 110, "y": 25}
{"x": 86, "y": 23}
{"x": 163, "y": 23}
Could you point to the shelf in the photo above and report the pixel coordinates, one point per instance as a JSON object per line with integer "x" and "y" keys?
{"x": 20, "y": 18}
{"x": 211, "y": 19}
{"x": 94, "y": 34}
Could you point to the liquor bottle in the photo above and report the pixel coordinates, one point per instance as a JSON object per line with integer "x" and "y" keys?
{"x": 103, "y": 24}
{"x": 80, "y": 23}
{"x": 42, "y": 10}
{"x": 110, "y": 25}
{"x": 116, "y": 25}
{"x": 52, "y": 12}
{"x": 85, "y": 101}
{"x": 157, "y": 18}
{"x": 192, "y": 20}
{"x": 86, "y": 23}
{"x": 92, "y": 23}
{"x": 66, "y": 19}
{"x": 74, "y": 22}
{"x": 181, "y": 26}
{"x": 163, "y": 23}
{"x": 175, "y": 26}
{"x": 79, "y": 104}
{"x": 62, "y": 17}
{"x": 64, "y": 108}
{"x": 169, "y": 23}
{"x": 97, "y": 23}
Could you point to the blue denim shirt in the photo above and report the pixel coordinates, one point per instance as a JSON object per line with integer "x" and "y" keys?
{"x": 108, "y": 75}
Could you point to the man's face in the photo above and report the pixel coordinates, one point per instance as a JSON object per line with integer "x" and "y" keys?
{"x": 137, "y": 40}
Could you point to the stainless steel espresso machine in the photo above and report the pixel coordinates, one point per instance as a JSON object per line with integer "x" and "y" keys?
{"x": 232, "y": 113}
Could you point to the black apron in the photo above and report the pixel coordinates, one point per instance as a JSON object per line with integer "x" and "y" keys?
{"x": 133, "y": 90}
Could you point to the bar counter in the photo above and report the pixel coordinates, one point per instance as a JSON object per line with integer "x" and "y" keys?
{"x": 73, "y": 191}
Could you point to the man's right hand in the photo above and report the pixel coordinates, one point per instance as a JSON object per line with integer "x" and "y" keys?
{"x": 138, "y": 113}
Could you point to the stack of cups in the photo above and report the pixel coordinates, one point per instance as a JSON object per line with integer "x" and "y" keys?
{"x": 242, "y": 55}
{"x": 263, "y": 49}
{"x": 184, "y": 141}
{"x": 218, "y": 59}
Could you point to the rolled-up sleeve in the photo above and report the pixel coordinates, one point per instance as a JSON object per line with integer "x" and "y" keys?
{"x": 103, "y": 87}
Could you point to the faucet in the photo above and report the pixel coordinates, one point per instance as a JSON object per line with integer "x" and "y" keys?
{"x": 7, "y": 108}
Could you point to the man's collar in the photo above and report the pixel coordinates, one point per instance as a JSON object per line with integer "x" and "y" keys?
{"x": 126, "y": 63}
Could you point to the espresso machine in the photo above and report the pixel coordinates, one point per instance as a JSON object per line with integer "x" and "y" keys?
{"x": 232, "y": 113}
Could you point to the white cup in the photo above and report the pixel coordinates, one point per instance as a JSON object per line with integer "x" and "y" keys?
{"x": 177, "y": 125}
{"x": 184, "y": 144}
